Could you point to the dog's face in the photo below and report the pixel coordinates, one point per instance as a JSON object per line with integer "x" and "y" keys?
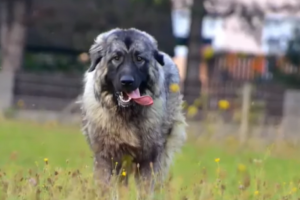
{"x": 126, "y": 65}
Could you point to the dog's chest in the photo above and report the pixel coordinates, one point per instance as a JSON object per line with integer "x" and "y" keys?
{"x": 116, "y": 137}
{"x": 120, "y": 133}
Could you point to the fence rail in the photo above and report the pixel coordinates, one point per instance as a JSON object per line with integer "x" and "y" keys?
{"x": 45, "y": 91}
{"x": 226, "y": 73}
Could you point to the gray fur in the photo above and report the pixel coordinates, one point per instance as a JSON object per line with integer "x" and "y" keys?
{"x": 149, "y": 134}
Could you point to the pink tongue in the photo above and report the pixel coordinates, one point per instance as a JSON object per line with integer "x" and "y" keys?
{"x": 142, "y": 100}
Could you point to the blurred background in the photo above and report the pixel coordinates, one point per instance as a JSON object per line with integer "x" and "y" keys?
{"x": 217, "y": 45}
{"x": 238, "y": 61}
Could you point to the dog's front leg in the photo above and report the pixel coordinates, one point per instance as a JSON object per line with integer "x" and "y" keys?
{"x": 102, "y": 171}
{"x": 148, "y": 176}
{"x": 144, "y": 179}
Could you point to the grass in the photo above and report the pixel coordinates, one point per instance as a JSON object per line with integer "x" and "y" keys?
{"x": 51, "y": 161}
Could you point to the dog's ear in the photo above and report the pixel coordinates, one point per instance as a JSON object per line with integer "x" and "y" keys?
{"x": 159, "y": 57}
{"x": 97, "y": 51}
{"x": 95, "y": 60}
{"x": 96, "y": 54}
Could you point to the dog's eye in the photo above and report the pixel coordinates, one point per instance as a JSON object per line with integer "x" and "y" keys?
{"x": 117, "y": 58}
{"x": 139, "y": 59}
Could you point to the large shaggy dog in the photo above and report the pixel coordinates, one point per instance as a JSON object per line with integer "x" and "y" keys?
{"x": 127, "y": 107}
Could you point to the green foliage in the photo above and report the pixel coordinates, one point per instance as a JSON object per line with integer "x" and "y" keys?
{"x": 158, "y": 1}
{"x": 42, "y": 62}
{"x": 75, "y": 25}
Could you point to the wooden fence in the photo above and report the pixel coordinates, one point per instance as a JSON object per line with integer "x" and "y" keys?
{"x": 223, "y": 75}
{"x": 268, "y": 96}
{"x": 248, "y": 67}
{"x": 45, "y": 91}
{"x": 227, "y": 73}
{"x": 55, "y": 92}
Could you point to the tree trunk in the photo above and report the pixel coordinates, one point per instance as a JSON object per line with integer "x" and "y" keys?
{"x": 192, "y": 82}
{"x": 13, "y": 29}
{"x": 4, "y": 11}
{"x": 13, "y": 33}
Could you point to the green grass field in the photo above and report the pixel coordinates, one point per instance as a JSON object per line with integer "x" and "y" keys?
{"x": 204, "y": 170}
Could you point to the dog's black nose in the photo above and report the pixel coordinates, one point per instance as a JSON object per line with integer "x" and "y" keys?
{"x": 127, "y": 80}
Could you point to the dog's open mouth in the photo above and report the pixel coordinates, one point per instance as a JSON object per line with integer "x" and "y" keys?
{"x": 135, "y": 96}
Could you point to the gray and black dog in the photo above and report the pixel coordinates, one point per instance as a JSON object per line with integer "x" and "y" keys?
{"x": 127, "y": 106}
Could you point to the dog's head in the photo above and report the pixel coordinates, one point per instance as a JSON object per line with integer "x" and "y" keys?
{"x": 126, "y": 64}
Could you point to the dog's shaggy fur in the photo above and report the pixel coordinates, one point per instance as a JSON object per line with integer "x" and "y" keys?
{"x": 149, "y": 134}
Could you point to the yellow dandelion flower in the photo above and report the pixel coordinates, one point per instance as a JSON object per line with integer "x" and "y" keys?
{"x": 256, "y": 192}
{"x": 242, "y": 168}
{"x": 217, "y": 160}
{"x": 192, "y": 111}
{"x": 174, "y": 87}
{"x": 45, "y": 159}
{"x": 294, "y": 189}
{"x": 124, "y": 173}
{"x": 223, "y": 104}
{"x": 208, "y": 52}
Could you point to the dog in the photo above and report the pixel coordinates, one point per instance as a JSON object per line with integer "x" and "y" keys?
{"x": 128, "y": 108}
